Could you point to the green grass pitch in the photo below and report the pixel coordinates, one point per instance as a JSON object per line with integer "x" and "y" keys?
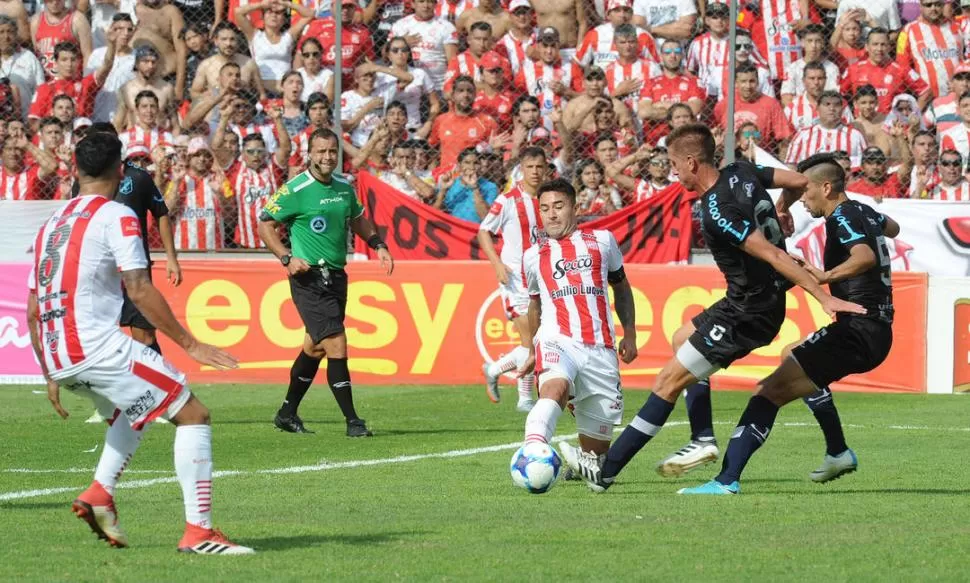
{"x": 363, "y": 510}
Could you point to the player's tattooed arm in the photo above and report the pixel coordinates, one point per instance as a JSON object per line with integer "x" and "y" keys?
{"x": 150, "y": 302}
{"x": 861, "y": 259}
{"x": 623, "y": 299}
{"x": 33, "y": 326}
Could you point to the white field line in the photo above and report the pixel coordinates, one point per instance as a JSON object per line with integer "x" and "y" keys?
{"x": 325, "y": 466}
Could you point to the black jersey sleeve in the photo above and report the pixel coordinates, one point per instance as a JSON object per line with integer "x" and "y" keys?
{"x": 145, "y": 186}
{"x": 765, "y": 175}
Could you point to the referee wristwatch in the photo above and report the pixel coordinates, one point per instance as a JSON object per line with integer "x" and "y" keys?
{"x": 285, "y": 259}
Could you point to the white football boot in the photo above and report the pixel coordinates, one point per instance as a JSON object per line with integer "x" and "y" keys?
{"x": 834, "y": 467}
{"x": 694, "y": 455}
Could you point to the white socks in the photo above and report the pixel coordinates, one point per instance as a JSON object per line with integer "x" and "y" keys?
{"x": 540, "y": 425}
{"x": 509, "y": 362}
{"x": 193, "y": 466}
{"x": 526, "y": 385}
{"x": 120, "y": 443}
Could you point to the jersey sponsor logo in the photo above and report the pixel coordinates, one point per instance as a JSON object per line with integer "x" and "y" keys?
{"x": 53, "y": 315}
{"x": 318, "y": 225}
{"x": 127, "y": 186}
{"x": 929, "y": 53}
{"x": 564, "y": 267}
{"x": 331, "y": 199}
{"x": 198, "y": 213}
{"x": 142, "y": 405}
{"x": 130, "y": 227}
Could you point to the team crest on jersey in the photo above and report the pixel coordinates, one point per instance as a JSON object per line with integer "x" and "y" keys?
{"x": 550, "y": 358}
{"x": 683, "y": 86}
{"x": 888, "y": 79}
{"x": 748, "y": 189}
{"x": 53, "y": 339}
{"x": 127, "y": 186}
{"x": 318, "y": 225}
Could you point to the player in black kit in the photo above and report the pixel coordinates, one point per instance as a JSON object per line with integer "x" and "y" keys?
{"x": 857, "y": 269}
{"x": 138, "y": 191}
{"x": 742, "y": 231}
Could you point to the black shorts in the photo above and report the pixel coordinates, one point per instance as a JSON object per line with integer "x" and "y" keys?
{"x": 130, "y": 316}
{"x": 850, "y": 345}
{"x": 321, "y": 306}
{"x": 726, "y": 332}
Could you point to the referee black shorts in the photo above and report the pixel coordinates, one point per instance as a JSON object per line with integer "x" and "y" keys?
{"x": 130, "y": 316}
{"x": 850, "y": 345}
{"x": 726, "y": 332}
{"x": 321, "y": 306}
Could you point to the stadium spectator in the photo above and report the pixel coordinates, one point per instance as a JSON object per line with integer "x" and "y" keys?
{"x": 868, "y": 119}
{"x": 467, "y": 63}
{"x": 626, "y": 76}
{"x": 400, "y": 173}
{"x": 581, "y": 111}
{"x": 205, "y": 107}
{"x": 568, "y": 18}
{"x": 813, "y": 41}
{"x": 887, "y": 76}
{"x": 271, "y": 46}
{"x": 925, "y": 170}
{"x": 773, "y": 31}
{"x": 932, "y": 46}
{"x": 942, "y": 113}
{"x": 746, "y": 53}
{"x": 254, "y": 175}
{"x": 20, "y": 66}
{"x": 679, "y": 114}
{"x": 708, "y": 54}
{"x": 17, "y": 13}
{"x": 599, "y": 45}
{"x": 494, "y": 97}
{"x": 56, "y": 24}
{"x": 666, "y": 19}
{"x": 490, "y": 12}
{"x": 847, "y": 43}
{"x": 465, "y": 195}
{"x": 655, "y": 176}
{"x": 550, "y": 79}
{"x": 594, "y": 197}
{"x": 957, "y": 137}
{"x": 874, "y": 179}
{"x": 752, "y": 105}
{"x": 146, "y": 130}
{"x": 414, "y": 93}
{"x": 802, "y": 110}
{"x": 316, "y": 77}
{"x": 909, "y": 10}
{"x": 21, "y": 182}
{"x": 362, "y": 107}
{"x": 454, "y": 131}
{"x": 830, "y": 134}
{"x": 294, "y": 116}
{"x": 953, "y": 185}
{"x": 385, "y": 13}
{"x": 318, "y": 116}
{"x": 520, "y": 40}
{"x": 106, "y": 102}
{"x": 245, "y": 119}
{"x": 673, "y": 85}
{"x": 433, "y": 41}
{"x": 450, "y": 10}
{"x": 357, "y": 44}
{"x": 882, "y": 14}
{"x": 197, "y": 49}
{"x": 160, "y": 25}
{"x": 207, "y": 78}
{"x": 82, "y": 91}
{"x": 146, "y": 78}
{"x": 199, "y": 201}
{"x": 525, "y": 124}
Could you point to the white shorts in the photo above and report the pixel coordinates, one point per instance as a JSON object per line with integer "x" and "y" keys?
{"x": 134, "y": 381}
{"x": 515, "y": 298}
{"x": 593, "y": 373}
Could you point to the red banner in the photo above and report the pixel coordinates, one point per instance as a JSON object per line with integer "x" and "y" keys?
{"x": 657, "y": 230}
{"x": 433, "y": 326}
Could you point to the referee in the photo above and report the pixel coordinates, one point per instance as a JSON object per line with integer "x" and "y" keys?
{"x": 317, "y": 206}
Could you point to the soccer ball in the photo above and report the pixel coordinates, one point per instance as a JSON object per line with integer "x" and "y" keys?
{"x": 535, "y": 467}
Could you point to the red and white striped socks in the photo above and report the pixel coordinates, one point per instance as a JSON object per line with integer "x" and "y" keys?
{"x": 193, "y": 466}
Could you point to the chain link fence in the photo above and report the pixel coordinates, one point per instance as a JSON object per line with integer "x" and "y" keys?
{"x": 434, "y": 96}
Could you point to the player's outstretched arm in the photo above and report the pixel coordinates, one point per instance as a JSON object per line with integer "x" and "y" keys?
{"x": 861, "y": 259}
{"x": 502, "y": 272}
{"x": 625, "y": 310}
{"x": 150, "y": 302}
{"x": 757, "y": 246}
{"x": 532, "y": 326}
{"x": 890, "y": 228}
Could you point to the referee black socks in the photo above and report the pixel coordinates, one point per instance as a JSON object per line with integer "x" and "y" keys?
{"x": 698, "y": 397}
{"x": 304, "y": 368}
{"x": 338, "y": 375}
{"x": 823, "y": 407}
{"x": 750, "y": 434}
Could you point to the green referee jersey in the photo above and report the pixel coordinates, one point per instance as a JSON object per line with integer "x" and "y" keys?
{"x": 317, "y": 215}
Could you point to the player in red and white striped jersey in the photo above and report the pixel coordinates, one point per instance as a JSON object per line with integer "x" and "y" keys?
{"x": 773, "y": 32}
{"x": 515, "y": 216}
{"x": 828, "y": 135}
{"x": 146, "y": 131}
{"x": 932, "y": 46}
{"x": 598, "y": 47}
{"x": 574, "y": 347}
{"x": 254, "y": 176}
{"x": 199, "y": 201}
{"x": 73, "y": 309}
{"x": 953, "y": 185}
{"x": 19, "y": 182}
{"x": 549, "y": 79}
{"x": 521, "y": 37}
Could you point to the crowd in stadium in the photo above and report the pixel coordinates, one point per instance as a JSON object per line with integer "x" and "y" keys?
{"x": 439, "y": 97}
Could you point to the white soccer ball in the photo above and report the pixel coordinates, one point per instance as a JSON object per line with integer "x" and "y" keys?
{"x": 535, "y": 467}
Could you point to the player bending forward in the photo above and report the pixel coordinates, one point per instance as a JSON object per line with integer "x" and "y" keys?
{"x": 81, "y": 257}
{"x": 857, "y": 269}
{"x": 515, "y": 216}
{"x": 574, "y": 348}
{"x": 741, "y": 228}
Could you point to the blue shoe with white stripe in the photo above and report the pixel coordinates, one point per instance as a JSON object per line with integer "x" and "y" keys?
{"x": 713, "y": 488}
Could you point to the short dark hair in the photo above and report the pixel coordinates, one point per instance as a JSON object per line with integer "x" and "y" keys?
{"x": 98, "y": 154}
{"x": 964, "y": 96}
{"x": 557, "y": 185}
{"x": 104, "y": 127}
{"x": 675, "y": 107}
{"x": 866, "y": 90}
{"x": 253, "y": 137}
{"x": 824, "y": 168}
{"x": 313, "y": 40}
{"x": 603, "y": 137}
{"x": 224, "y": 25}
{"x": 229, "y": 65}
{"x": 462, "y": 79}
{"x": 625, "y": 30}
{"x": 50, "y": 121}
{"x": 532, "y": 152}
{"x": 952, "y": 152}
{"x": 119, "y": 16}
{"x": 816, "y": 66}
{"x": 62, "y": 97}
{"x": 65, "y": 47}
{"x": 812, "y": 28}
{"x": 480, "y": 25}
{"x": 746, "y": 68}
{"x": 396, "y": 105}
{"x": 830, "y": 94}
{"x": 522, "y": 100}
{"x": 145, "y": 94}
{"x": 466, "y": 153}
{"x": 696, "y": 138}
{"x": 315, "y": 98}
{"x": 876, "y": 30}
{"x": 323, "y": 134}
